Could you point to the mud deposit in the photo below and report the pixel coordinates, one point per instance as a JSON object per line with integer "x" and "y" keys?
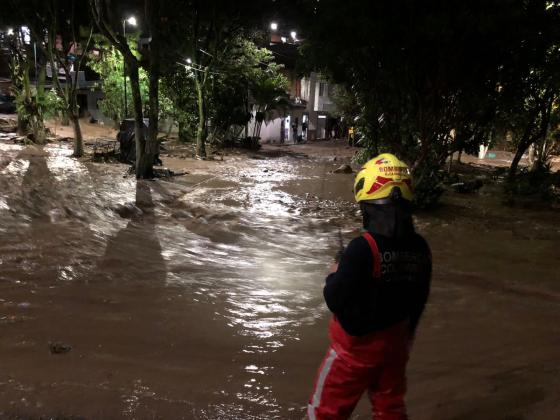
{"x": 200, "y": 297}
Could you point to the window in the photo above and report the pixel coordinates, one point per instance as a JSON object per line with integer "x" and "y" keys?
{"x": 321, "y": 89}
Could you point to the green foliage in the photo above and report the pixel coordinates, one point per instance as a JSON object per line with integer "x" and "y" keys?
{"x": 537, "y": 182}
{"x": 53, "y": 104}
{"x": 428, "y": 184}
{"x": 245, "y": 73}
{"x": 31, "y": 102}
{"x": 418, "y": 70}
{"x": 110, "y": 66}
{"x": 268, "y": 88}
{"x": 346, "y": 105}
{"x": 177, "y": 87}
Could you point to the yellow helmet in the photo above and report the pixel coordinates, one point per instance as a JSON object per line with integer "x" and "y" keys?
{"x": 383, "y": 179}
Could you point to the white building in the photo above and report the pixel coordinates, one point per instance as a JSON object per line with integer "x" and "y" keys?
{"x": 307, "y": 119}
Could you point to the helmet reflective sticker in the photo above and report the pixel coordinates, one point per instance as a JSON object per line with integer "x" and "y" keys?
{"x": 378, "y": 177}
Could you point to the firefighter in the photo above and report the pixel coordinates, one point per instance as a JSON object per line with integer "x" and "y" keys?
{"x": 377, "y": 293}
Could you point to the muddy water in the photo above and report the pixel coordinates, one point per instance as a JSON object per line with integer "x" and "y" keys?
{"x": 200, "y": 297}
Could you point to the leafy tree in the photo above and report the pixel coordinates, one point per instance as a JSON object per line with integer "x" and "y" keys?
{"x": 530, "y": 85}
{"x": 268, "y": 89}
{"x": 67, "y": 47}
{"x": 346, "y": 105}
{"x": 30, "y": 98}
{"x": 110, "y": 67}
{"x": 58, "y": 36}
{"x": 419, "y": 70}
{"x": 212, "y": 32}
{"x": 178, "y": 88}
{"x": 164, "y": 20}
{"x": 247, "y": 77}
{"x": 106, "y": 20}
{"x": 250, "y": 83}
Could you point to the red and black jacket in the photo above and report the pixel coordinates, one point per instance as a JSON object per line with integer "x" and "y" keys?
{"x": 379, "y": 283}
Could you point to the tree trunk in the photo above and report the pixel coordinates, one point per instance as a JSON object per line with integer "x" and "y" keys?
{"x": 139, "y": 132}
{"x": 74, "y": 113}
{"x": 541, "y": 152}
{"x": 152, "y": 146}
{"x": 201, "y": 127}
{"x": 78, "y": 139}
{"x": 183, "y": 132}
{"x": 528, "y": 137}
{"x": 515, "y": 161}
{"x": 146, "y": 167}
{"x": 24, "y": 117}
{"x": 531, "y": 155}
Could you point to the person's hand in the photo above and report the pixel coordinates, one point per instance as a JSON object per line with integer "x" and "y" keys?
{"x": 334, "y": 268}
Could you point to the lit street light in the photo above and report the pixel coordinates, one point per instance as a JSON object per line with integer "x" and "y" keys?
{"x": 10, "y": 31}
{"x": 274, "y": 26}
{"x": 189, "y": 61}
{"x": 132, "y": 22}
{"x": 293, "y": 34}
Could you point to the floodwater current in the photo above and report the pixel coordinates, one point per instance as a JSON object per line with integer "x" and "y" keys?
{"x": 200, "y": 297}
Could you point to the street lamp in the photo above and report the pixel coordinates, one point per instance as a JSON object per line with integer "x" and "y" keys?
{"x": 293, "y": 34}
{"x": 10, "y": 31}
{"x": 189, "y": 61}
{"x": 131, "y": 21}
{"x": 273, "y": 26}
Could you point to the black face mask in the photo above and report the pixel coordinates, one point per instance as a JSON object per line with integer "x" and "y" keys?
{"x": 392, "y": 220}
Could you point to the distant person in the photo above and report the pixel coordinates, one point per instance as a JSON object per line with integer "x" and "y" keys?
{"x": 377, "y": 293}
{"x": 351, "y": 141}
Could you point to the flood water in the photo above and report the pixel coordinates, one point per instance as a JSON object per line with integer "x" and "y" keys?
{"x": 200, "y": 297}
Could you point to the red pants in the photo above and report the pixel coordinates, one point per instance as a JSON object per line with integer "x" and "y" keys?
{"x": 353, "y": 365}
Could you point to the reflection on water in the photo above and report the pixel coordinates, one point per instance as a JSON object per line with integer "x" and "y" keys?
{"x": 238, "y": 250}
{"x": 200, "y": 297}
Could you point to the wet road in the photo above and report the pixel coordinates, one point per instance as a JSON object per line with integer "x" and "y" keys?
{"x": 200, "y": 297}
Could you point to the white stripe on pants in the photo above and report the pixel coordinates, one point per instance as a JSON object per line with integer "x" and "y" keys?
{"x": 316, "y": 400}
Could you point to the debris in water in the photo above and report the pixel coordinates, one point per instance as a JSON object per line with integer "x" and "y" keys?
{"x": 8, "y": 124}
{"x": 128, "y": 210}
{"x": 468, "y": 186}
{"x": 167, "y": 173}
{"x": 343, "y": 169}
{"x": 58, "y": 347}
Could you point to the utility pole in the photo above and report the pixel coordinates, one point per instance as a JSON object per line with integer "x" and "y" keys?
{"x": 131, "y": 21}
{"x": 124, "y": 72}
